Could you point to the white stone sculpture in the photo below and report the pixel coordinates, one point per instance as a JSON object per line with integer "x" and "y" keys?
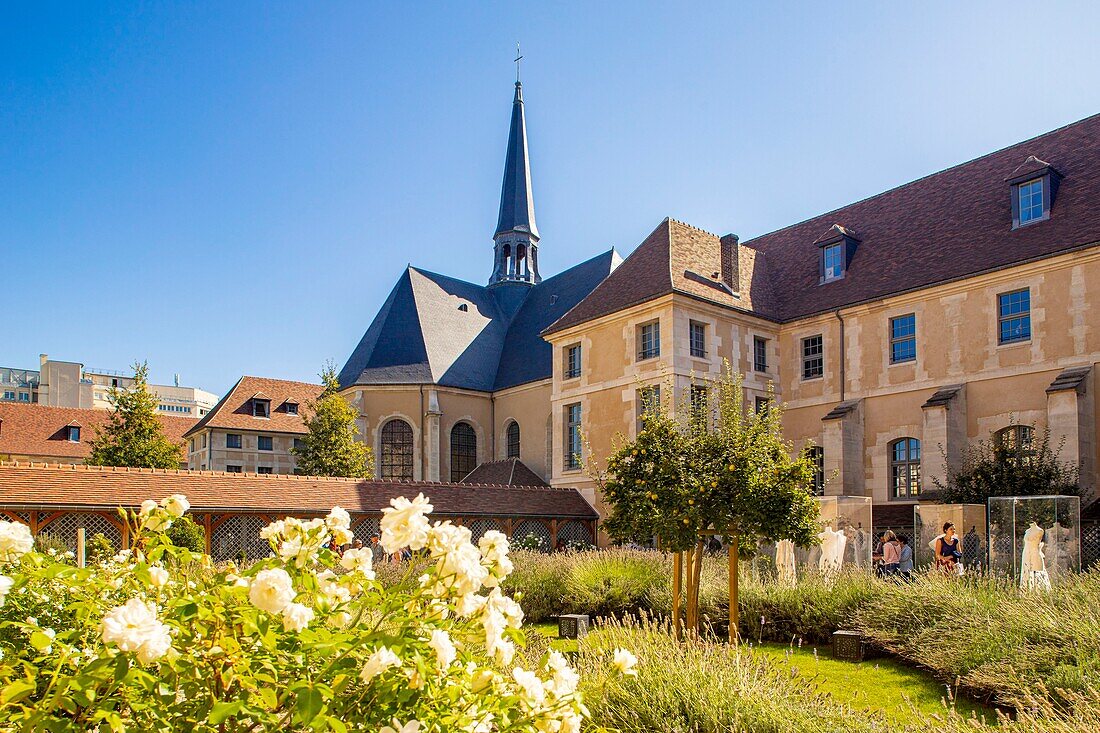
{"x": 784, "y": 562}
{"x": 1033, "y": 565}
{"x": 832, "y": 550}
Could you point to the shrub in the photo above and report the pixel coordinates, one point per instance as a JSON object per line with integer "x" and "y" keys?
{"x": 188, "y": 535}
{"x": 98, "y": 549}
{"x": 160, "y": 639}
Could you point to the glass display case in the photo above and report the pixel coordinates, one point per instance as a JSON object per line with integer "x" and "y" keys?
{"x": 1035, "y": 539}
{"x": 970, "y": 526}
{"x": 846, "y": 536}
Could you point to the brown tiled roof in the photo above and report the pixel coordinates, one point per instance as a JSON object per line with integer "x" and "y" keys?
{"x": 509, "y": 472}
{"x": 675, "y": 257}
{"x": 234, "y": 411}
{"x": 24, "y": 485}
{"x": 949, "y": 225}
{"x": 37, "y": 430}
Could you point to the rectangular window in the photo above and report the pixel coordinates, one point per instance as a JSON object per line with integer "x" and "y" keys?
{"x": 903, "y": 338}
{"x": 817, "y": 454}
{"x": 700, "y": 401}
{"x": 24, "y": 396}
{"x": 232, "y": 440}
{"x": 813, "y": 357}
{"x": 74, "y": 433}
{"x": 572, "y": 437}
{"x": 759, "y": 354}
{"x": 298, "y": 444}
{"x": 1030, "y": 200}
{"x": 649, "y": 340}
{"x": 292, "y": 408}
{"x": 572, "y": 361}
{"x": 761, "y": 404}
{"x": 204, "y": 440}
{"x": 832, "y": 262}
{"x": 192, "y": 445}
{"x": 263, "y": 469}
{"x": 263, "y": 442}
{"x": 1014, "y": 316}
{"x": 261, "y": 408}
{"x": 233, "y": 469}
{"x": 649, "y": 403}
{"x": 9, "y": 395}
{"x": 698, "y": 339}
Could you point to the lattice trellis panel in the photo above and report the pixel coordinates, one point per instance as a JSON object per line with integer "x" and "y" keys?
{"x": 573, "y": 533}
{"x": 479, "y": 527}
{"x": 236, "y": 534}
{"x": 532, "y": 527}
{"x": 64, "y": 527}
{"x": 11, "y": 516}
{"x": 365, "y": 528}
{"x": 1090, "y": 545}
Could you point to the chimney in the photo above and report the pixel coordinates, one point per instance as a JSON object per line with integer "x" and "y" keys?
{"x": 730, "y": 273}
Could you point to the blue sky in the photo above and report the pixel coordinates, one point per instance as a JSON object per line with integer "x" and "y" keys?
{"x": 232, "y": 188}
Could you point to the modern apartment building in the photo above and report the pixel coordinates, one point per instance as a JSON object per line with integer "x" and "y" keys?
{"x": 70, "y": 384}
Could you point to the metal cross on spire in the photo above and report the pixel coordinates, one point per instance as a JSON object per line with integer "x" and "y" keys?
{"x": 519, "y": 57}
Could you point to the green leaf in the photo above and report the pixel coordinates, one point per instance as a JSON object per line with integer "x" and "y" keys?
{"x": 336, "y": 724}
{"x": 309, "y": 703}
{"x": 40, "y": 640}
{"x": 17, "y": 690}
{"x": 223, "y": 710}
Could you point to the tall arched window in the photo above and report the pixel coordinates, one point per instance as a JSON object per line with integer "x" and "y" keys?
{"x": 817, "y": 455}
{"x": 1014, "y": 442}
{"x": 511, "y": 435}
{"x": 905, "y": 468}
{"x": 463, "y": 450}
{"x": 396, "y": 451}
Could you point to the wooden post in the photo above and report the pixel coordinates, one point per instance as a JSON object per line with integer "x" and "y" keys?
{"x": 677, "y": 577}
{"x": 734, "y": 553}
{"x": 80, "y": 547}
{"x": 696, "y": 577}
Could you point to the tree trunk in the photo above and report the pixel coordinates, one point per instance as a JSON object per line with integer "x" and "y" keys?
{"x": 734, "y": 555}
{"x": 677, "y": 589}
{"x": 697, "y": 572}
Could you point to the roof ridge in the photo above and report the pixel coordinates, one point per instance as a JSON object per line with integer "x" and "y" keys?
{"x": 692, "y": 226}
{"x": 901, "y": 186}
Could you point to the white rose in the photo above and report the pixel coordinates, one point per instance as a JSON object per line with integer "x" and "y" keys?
{"x": 404, "y": 524}
{"x": 272, "y": 531}
{"x": 176, "y": 504}
{"x": 147, "y": 507}
{"x": 360, "y": 559}
{"x": 296, "y": 616}
{"x": 134, "y": 627}
{"x": 338, "y": 519}
{"x": 443, "y": 647}
{"x": 158, "y": 576}
{"x": 625, "y": 662}
{"x": 413, "y": 726}
{"x": 5, "y": 586}
{"x": 564, "y": 679}
{"x": 271, "y": 590}
{"x": 378, "y": 663}
{"x": 15, "y": 541}
{"x": 530, "y": 685}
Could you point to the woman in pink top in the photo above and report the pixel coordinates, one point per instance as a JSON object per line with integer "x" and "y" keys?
{"x": 891, "y": 553}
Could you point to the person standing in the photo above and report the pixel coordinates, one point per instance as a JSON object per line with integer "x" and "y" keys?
{"x": 905, "y": 558}
{"x": 947, "y": 550}
{"x": 891, "y": 553}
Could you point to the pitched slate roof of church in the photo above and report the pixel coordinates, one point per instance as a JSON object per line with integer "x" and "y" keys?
{"x": 946, "y": 226}
{"x": 27, "y": 485}
{"x": 437, "y": 329}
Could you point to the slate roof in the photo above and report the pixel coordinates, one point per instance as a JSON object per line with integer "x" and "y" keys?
{"x": 25, "y": 485}
{"x": 949, "y": 225}
{"x": 1070, "y": 379}
{"x": 38, "y": 430}
{"x": 234, "y": 410}
{"x": 517, "y": 204}
{"x": 437, "y": 329}
{"x": 509, "y": 472}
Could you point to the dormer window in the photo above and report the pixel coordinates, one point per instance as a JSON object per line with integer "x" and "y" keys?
{"x": 837, "y": 246}
{"x": 1034, "y": 184}
{"x": 73, "y": 433}
{"x": 261, "y": 408}
{"x": 292, "y": 408}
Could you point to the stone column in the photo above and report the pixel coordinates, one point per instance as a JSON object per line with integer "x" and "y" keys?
{"x": 842, "y": 441}
{"x": 1070, "y": 417}
{"x": 430, "y": 436}
{"x": 943, "y": 434}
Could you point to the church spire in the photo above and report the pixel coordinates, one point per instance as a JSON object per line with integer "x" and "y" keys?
{"x": 516, "y": 235}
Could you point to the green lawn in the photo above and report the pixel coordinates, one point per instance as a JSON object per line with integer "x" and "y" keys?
{"x": 877, "y": 684}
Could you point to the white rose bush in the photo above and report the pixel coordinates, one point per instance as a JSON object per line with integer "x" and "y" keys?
{"x": 162, "y": 639}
